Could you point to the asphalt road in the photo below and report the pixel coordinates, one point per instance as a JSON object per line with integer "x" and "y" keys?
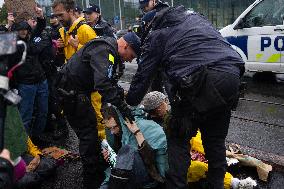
{"x": 257, "y": 127}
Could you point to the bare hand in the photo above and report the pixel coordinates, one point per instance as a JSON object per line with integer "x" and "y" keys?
{"x": 74, "y": 42}
{"x": 105, "y": 155}
{"x": 39, "y": 12}
{"x": 6, "y": 155}
{"x": 131, "y": 126}
{"x": 60, "y": 43}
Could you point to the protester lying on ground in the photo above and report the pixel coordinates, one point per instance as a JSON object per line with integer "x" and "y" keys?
{"x": 6, "y": 170}
{"x": 156, "y": 104}
{"x": 142, "y": 160}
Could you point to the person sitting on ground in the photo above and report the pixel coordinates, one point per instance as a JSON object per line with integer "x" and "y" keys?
{"x": 142, "y": 159}
{"x": 156, "y": 105}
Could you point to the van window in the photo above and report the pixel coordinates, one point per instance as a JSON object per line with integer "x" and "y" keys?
{"x": 266, "y": 13}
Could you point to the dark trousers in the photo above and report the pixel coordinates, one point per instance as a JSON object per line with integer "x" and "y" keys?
{"x": 82, "y": 118}
{"x": 213, "y": 125}
{"x": 56, "y": 118}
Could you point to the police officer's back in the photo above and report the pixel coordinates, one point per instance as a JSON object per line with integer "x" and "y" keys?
{"x": 205, "y": 73}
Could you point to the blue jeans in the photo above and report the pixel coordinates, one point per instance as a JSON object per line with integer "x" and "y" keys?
{"x": 34, "y": 96}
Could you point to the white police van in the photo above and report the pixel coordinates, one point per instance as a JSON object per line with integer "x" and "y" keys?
{"x": 258, "y": 36}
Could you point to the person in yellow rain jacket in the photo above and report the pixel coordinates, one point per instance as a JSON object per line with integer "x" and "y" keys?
{"x": 75, "y": 33}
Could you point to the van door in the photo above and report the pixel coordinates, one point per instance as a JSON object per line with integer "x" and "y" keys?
{"x": 264, "y": 29}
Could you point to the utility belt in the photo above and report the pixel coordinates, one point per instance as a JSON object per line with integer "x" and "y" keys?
{"x": 74, "y": 101}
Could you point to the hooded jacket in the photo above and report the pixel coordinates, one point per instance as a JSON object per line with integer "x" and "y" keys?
{"x": 180, "y": 42}
{"x": 31, "y": 72}
{"x": 154, "y": 136}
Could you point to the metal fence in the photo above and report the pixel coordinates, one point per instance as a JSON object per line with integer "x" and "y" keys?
{"x": 219, "y": 12}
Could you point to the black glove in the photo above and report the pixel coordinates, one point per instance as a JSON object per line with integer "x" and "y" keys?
{"x": 126, "y": 112}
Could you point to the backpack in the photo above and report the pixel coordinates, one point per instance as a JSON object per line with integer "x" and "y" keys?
{"x": 75, "y": 30}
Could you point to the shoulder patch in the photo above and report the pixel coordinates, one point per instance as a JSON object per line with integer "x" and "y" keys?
{"x": 111, "y": 58}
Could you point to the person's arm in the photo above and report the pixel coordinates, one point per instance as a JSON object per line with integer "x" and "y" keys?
{"x": 102, "y": 67}
{"x": 146, "y": 152}
{"x": 41, "y": 22}
{"x": 6, "y": 170}
{"x": 148, "y": 65}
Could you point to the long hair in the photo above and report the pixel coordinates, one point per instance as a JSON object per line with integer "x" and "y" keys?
{"x": 109, "y": 111}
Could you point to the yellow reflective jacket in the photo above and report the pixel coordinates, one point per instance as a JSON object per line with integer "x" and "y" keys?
{"x": 85, "y": 34}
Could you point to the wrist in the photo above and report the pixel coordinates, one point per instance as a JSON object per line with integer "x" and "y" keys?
{"x": 136, "y": 132}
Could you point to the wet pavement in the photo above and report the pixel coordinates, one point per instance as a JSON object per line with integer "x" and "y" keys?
{"x": 258, "y": 127}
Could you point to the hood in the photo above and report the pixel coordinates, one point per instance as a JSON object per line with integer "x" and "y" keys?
{"x": 169, "y": 16}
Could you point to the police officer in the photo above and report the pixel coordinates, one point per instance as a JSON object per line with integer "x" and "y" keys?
{"x": 95, "y": 20}
{"x": 92, "y": 69}
{"x": 205, "y": 73}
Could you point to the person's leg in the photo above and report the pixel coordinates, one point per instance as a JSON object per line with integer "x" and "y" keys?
{"x": 26, "y": 106}
{"x": 83, "y": 121}
{"x": 179, "y": 132}
{"x": 41, "y": 103}
{"x": 213, "y": 132}
{"x": 214, "y": 127}
{"x": 179, "y": 161}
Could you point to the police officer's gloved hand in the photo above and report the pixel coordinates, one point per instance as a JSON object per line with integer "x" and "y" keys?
{"x": 126, "y": 112}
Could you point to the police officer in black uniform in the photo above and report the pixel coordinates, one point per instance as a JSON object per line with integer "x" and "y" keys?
{"x": 95, "y": 20}
{"x": 205, "y": 73}
{"x": 92, "y": 69}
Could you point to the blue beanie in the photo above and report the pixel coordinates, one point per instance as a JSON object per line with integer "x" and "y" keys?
{"x": 134, "y": 41}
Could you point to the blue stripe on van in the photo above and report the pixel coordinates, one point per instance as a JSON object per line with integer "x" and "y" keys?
{"x": 240, "y": 41}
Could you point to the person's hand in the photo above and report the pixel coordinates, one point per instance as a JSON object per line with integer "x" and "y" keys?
{"x": 74, "y": 42}
{"x": 105, "y": 155}
{"x": 10, "y": 19}
{"x": 131, "y": 126}
{"x": 126, "y": 112}
{"x": 6, "y": 155}
{"x": 39, "y": 12}
{"x": 60, "y": 43}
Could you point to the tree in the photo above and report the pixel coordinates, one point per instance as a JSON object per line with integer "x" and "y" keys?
{"x": 3, "y": 14}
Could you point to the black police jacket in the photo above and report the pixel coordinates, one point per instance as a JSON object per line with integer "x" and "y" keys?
{"x": 32, "y": 72}
{"x": 180, "y": 42}
{"x": 92, "y": 68}
{"x": 103, "y": 28}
